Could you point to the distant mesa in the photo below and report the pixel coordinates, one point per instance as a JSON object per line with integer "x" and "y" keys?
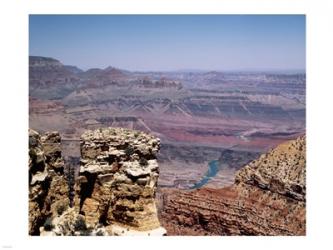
{"x": 73, "y": 69}
{"x": 108, "y": 74}
{"x": 50, "y": 79}
{"x": 157, "y": 84}
{"x": 39, "y": 61}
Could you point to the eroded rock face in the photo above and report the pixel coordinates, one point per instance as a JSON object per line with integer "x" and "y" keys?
{"x": 39, "y": 182}
{"x": 48, "y": 189}
{"x": 57, "y": 198}
{"x": 118, "y": 179}
{"x": 282, "y": 170}
{"x": 52, "y": 148}
{"x": 115, "y": 189}
{"x": 70, "y": 223}
{"x": 268, "y": 198}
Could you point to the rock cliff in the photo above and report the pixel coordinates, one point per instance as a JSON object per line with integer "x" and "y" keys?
{"x": 115, "y": 189}
{"x": 282, "y": 170}
{"x": 118, "y": 179}
{"x": 48, "y": 189}
{"x": 268, "y": 198}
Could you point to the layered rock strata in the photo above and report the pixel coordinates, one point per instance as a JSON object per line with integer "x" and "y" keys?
{"x": 48, "y": 189}
{"x": 282, "y": 170}
{"x": 268, "y": 198}
{"x": 117, "y": 181}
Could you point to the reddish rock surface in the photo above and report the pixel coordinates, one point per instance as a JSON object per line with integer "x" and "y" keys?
{"x": 266, "y": 199}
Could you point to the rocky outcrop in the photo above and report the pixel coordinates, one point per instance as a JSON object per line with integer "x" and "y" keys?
{"x": 70, "y": 223}
{"x": 115, "y": 190}
{"x": 268, "y": 198}
{"x": 57, "y": 198}
{"x": 48, "y": 189}
{"x": 117, "y": 181}
{"x": 39, "y": 182}
{"x": 282, "y": 170}
{"x": 50, "y": 79}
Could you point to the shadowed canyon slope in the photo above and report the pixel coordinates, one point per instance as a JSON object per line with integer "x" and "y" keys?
{"x": 200, "y": 117}
{"x": 267, "y": 198}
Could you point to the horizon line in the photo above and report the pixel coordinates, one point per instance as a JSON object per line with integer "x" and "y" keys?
{"x": 189, "y": 70}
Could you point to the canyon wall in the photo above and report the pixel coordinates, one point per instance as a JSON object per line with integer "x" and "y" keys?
{"x": 114, "y": 192}
{"x": 268, "y": 198}
{"x": 193, "y": 113}
{"x": 48, "y": 189}
{"x": 116, "y": 185}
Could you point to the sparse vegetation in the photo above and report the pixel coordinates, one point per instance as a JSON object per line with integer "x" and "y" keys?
{"x": 48, "y": 226}
{"x": 129, "y": 151}
{"x": 60, "y": 209}
{"x": 80, "y": 224}
{"x": 32, "y": 154}
{"x": 85, "y": 232}
{"x": 99, "y": 233}
{"x": 143, "y": 162}
{"x": 32, "y": 142}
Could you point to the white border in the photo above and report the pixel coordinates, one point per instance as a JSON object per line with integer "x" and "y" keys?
{"x": 14, "y": 119}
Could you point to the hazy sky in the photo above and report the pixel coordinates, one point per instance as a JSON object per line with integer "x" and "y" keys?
{"x": 208, "y": 42}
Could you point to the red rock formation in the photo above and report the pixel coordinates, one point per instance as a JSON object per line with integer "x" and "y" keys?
{"x": 268, "y": 198}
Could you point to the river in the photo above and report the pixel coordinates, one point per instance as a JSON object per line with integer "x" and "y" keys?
{"x": 213, "y": 168}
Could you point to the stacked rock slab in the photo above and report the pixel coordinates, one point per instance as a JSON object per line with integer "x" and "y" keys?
{"x": 48, "y": 191}
{"x": 268, "y": 198}
{"x": 118, "y": 179}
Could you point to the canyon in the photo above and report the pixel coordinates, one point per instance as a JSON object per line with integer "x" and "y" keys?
{"x": 267, "y": 198}
{"x": 165, "y": 153}
{"x": 229, "y": 118}
{"x": 115, "y": 191}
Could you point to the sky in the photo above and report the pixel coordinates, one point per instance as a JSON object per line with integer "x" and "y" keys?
{"x": 171, "y": 42}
